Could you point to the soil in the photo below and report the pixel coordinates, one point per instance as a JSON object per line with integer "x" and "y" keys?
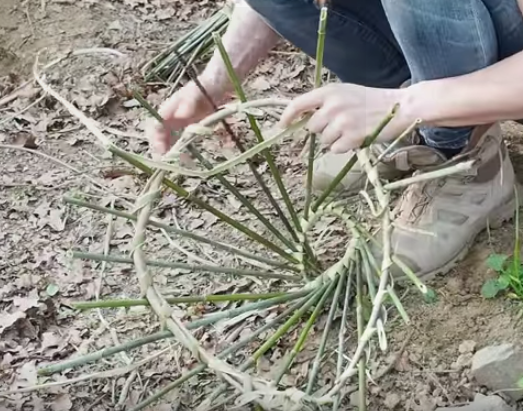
{"x": 38, "y": 230}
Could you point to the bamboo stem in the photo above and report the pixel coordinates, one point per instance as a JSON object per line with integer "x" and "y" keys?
{"x": 305, "y": 332}
{"x": 287, "y": 326}
{"x": 213, "y": 298}
{"x": 266, "y": 153}
{"x": 186, "y": 266}
{"x": 200, "y": 368}
{"x": 247, "y": 364}
{"x": 180, "y": 191}
{"x": 320, "y": 47}
{"x": 257, "y": 306}
{"x": 130, "y": 345}
{"x": 104, "y": 353}
{"x": 182, "y": 233}
{"x": 362, "y": 377}
{"x": 229, "y": 186}
{"x": 430, "y": 175}
{"x": 341, "y": 337}
{"x": 323, "y": 343}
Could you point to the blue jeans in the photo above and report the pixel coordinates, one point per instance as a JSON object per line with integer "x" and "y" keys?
{"x": 382, "y": 43}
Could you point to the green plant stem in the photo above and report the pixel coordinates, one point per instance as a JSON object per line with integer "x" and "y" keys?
{"x": 210, "y": 319}
{"x": 320, "y": 47}
{"x": 341, "y": 336}
{"x": 253, "y": 306}
{"x": 185, "y": 266}
{"x": 213, "y": 298}
{"x": 328, "y": 325}
{"x": 255, "y": 128}
{"x": 352, "y": 161}
{"x": 180, "y": 191}
{"x": 305, "y": 332}
{"x": 223, "y": 180}
{"x": 231, "y": 350}
{"x": 313, "y": 299}
{"x": 247, "y": 364}
{"x": 362, "y": 377}
{"x": 370, "y": 262}
{"x": 104, "y": 353}
{"x": 181, "y": 233}
{"x": 516, "y": 262}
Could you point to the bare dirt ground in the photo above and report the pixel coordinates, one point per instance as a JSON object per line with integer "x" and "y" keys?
{"x": 37, "y": 229}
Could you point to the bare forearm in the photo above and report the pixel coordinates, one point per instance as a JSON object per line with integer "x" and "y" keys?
{"x": 489, "y": 95}
{"x": 247, "y": 40}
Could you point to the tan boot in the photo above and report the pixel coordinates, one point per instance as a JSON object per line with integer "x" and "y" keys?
{"x": 437, "y": 221}
{"x": 401, "y": 161}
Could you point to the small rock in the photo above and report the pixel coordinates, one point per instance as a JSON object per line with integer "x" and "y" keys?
{"x": 481, "y": 403}
{"x": 499, "y": 368}
{"x": 392, "y": 400}
{"x": 466, "y": 347}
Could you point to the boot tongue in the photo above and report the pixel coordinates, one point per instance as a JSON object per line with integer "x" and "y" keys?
{"x": 417, "y": 158}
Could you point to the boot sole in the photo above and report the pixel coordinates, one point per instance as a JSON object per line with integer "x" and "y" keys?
{"x": 505, "y": 212}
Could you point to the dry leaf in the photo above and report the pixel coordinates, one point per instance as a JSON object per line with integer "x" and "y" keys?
{"x": 62, "y": 403}
{"x": 55, "y": 220}
{"x": 260, "y": 84}
{"x": 25, "y": 303}
{"x": 7, "y": 320}
{"x": 26, "y": 140}
{"x": 27, "y": 374}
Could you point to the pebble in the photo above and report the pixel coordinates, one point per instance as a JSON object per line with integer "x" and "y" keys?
{"x": 499, "y": 368}
{"x": 481, "y": 403}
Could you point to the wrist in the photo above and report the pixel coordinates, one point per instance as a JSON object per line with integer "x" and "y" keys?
{"x": 423, "y": 101}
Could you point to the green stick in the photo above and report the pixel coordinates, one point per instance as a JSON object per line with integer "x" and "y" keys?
{"x": 210, "y": 319}
{"x": 231, "y": 350}
{"x": 320, "y": 47}
{"x": 323, "y": 343}
{"x": 247, "y": 364}
{"x": 213, "y": 298}
{"x": 305, "y": 332}
{"x": 259, "y": 136}
{"x": 104, "y": 353}
{"x": 352, "y": 161}
{"x": 184, "y": 266}
{"x": 287, "y": 326}
{"x": 362, "y": 377}
{"x": 257, "y": 306}
{"x": 195, "y": 153}
{"x": 341, "y": 337}
{"x": 180, "y": 191}
{"x": 182, "y": 233}
{"x": 254, "y": 126}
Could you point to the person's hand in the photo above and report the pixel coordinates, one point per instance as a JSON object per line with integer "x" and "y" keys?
{"x": 187, "y": 106}
{"x": 344, "y": 114}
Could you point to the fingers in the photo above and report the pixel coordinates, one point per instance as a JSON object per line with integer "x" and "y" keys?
{"x": 302, "y": 104}
{"x": 318, "y": 122}
{"x": 160, "y": 133}
{"x": 158, "y": 136}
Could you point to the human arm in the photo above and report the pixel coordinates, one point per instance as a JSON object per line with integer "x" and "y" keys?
{"x": 247, "y": 40}
{"x": 488, "y": 95}
{"x": 345, "y": 113}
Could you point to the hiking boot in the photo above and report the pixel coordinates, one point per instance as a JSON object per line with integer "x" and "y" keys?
{"x": 437, "y": 221}
{"x": 406, "y": 157}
